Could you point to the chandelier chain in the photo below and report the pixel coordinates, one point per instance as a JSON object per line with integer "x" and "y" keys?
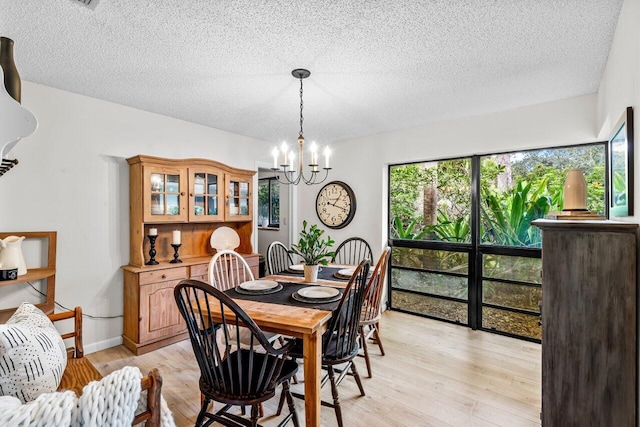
{"x": 301, "y": 106}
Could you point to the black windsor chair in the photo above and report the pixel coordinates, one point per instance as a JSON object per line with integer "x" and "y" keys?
{"x": 352, "y": 251}
{"x": 340, "y": 341}
{"x": 232, "y": 373}
{"x": 278, "y": 258}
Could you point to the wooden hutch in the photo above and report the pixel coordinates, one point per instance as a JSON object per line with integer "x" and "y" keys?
{"x": 194, "y": 197}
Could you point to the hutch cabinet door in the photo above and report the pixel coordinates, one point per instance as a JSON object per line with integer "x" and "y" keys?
{"x": 206, "y": 203}
{"x": 238, "y": 206}
{"x": 164, "y": 194}
{"x": 159, "y": 313}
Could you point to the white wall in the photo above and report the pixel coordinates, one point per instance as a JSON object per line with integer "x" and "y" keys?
{"x": 620, "y": 86}
{"x": 363, "y": 163}
{"x": 73, "y": 178}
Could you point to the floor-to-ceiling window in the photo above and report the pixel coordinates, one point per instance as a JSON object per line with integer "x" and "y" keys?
{"x": 464, "y": 249}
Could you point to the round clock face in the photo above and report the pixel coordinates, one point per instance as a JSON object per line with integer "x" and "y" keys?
{"x": 336, "y": 204}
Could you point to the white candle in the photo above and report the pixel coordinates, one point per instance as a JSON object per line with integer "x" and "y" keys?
{"x": 327, "y": 153}
{"x": 153, "y": 232}
{"x": 176, "y": 237}
{"x": 314, "y": 153}
{"x": 292, "y": 158}
{"x": 284, "y": 153}
{"x": 275, "y": 157}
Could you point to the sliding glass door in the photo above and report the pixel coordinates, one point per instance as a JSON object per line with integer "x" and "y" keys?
{"x": 463, "y": 247}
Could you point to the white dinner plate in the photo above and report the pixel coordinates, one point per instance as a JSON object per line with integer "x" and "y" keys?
{"x": 348, "y": 272}
{"x": 258, "y": 285}
{"x": 296, "y": 267}
{"x": 318, "y": 292}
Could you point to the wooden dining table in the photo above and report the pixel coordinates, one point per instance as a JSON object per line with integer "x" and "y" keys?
{"x": 300, "y": 322}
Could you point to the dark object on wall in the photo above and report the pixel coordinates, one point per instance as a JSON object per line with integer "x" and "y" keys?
{"x": 11, "y": 77}
{"x": 589, "y": 372}
{"x": 621, "y": 166}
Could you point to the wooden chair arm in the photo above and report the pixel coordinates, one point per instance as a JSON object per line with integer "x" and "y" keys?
{"x": 153, "y": 384}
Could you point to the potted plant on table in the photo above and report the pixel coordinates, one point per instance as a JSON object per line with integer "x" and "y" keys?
{"x": 313, "y": 250}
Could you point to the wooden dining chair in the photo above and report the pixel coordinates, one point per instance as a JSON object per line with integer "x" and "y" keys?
{"x": 352, "y": 251}
{"x": 340, "y": 341}
{"x": 371, "y": 310}
{"x": 228, "y": 269}
{"x": 231, "y": 373}
{"x": 278, "y": 258}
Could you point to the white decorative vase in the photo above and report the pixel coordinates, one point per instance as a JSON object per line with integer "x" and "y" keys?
{"x": 11, "y": 254}
{"x": 575, "y": 191}
{"x": 311, "y": 273}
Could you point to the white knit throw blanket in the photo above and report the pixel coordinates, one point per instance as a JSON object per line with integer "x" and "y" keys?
{"x": 112, "y": 401}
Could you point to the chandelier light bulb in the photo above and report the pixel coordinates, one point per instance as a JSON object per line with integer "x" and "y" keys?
{"x": 283, "y": 149}
{"x": 327, "y": 154}
{"x": 314, "y": 154}
{"x": 292, "y": 158}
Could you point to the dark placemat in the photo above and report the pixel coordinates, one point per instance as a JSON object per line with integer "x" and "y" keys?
{"x": 325, "y": 274}
{"x": 260, "y": 292}
{"x": 284, "y": 297}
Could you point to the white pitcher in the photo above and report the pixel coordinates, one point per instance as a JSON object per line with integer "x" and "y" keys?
{"x": 11, "y": 254}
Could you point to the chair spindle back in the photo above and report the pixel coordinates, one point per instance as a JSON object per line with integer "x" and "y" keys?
{"x": 352, "y": 251}
{"x": 278, "y": 258}
{"x": 228, "y": 269}
{"x": 342, "y": 333}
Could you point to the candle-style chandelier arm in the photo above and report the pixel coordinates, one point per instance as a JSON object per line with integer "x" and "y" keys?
{"x": 284, "y": 171}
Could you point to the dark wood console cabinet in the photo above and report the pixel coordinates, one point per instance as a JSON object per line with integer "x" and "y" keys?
{"x": 589, "y": 338}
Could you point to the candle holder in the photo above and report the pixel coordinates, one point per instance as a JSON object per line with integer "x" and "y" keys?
{"x": 152, "y": 250}
{"x": 175, "y": 259}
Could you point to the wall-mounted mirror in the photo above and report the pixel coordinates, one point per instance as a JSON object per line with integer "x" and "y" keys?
{"x": 621, "y": 166}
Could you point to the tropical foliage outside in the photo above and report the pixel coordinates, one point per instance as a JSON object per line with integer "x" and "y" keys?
{"x": 431, "y": 201}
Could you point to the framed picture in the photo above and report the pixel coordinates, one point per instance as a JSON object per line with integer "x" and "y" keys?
{"x": 621, "y": 166}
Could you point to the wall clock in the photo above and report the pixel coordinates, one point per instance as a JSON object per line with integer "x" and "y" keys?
{"x": 336, "y": 204}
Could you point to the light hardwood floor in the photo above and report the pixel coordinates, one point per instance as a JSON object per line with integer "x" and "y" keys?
{"x": 434, "y": 374}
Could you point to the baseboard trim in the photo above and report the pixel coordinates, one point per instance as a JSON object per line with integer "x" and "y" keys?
{"x": 101, "y": 345}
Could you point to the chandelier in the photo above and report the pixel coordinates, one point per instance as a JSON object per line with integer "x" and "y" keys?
{"x": 287, "y": 172}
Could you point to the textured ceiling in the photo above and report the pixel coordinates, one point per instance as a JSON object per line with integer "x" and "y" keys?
{"x": 376, "y": 66}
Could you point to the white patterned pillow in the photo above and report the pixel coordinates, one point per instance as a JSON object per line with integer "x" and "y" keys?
{"x": 32, "y": 354}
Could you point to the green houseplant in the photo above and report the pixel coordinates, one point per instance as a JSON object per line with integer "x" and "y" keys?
{"x": 313, "y": 249}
